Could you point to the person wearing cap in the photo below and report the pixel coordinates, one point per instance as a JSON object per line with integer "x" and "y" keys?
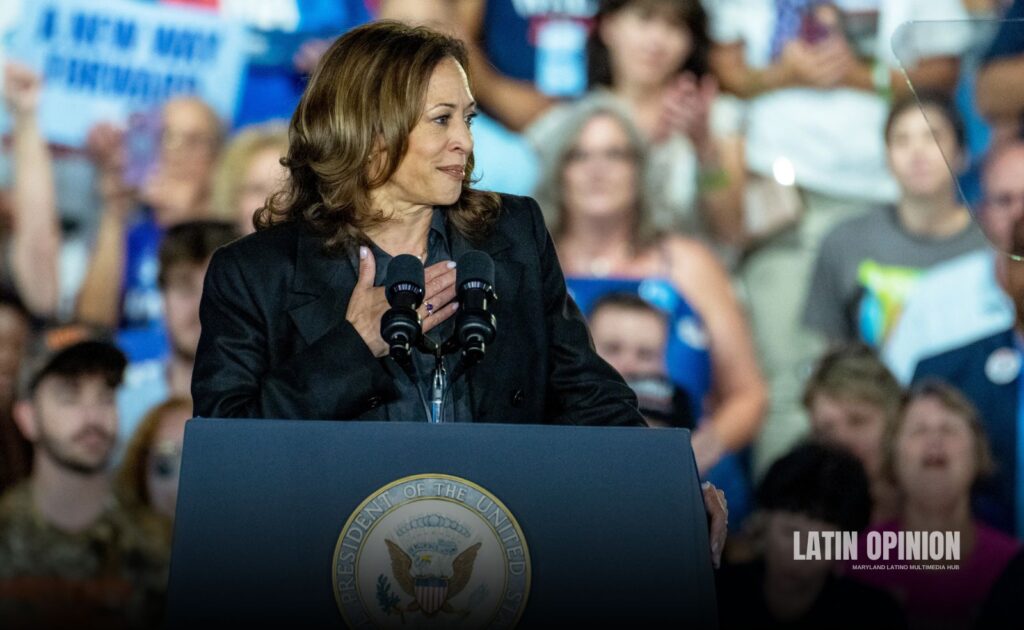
{"x": 69, "y": 550}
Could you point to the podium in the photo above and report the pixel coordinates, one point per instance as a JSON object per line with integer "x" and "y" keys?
{"x": 276, "y": 519}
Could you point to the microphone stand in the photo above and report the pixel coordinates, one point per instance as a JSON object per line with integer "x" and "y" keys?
{"x": 470, "y": 336}
{"x": 438, "y": 389}
{"x": 440, "y": 383}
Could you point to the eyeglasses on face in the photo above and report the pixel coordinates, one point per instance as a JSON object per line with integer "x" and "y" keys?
{"x": 613, "y": 155}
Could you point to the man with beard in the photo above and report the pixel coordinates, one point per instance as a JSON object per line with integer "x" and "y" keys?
{"x": 69, "y": 550}
{"x": 152, "y": 378}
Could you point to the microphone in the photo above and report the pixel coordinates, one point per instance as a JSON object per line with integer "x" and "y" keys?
{"x": 400, "y": 326}
{"x": 475, "y": 325}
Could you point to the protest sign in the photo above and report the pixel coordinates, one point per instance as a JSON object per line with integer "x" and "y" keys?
{"x": 104, "y": 61}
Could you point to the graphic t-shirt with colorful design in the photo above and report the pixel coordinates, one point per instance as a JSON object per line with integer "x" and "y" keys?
{"x": 866, "y": 268}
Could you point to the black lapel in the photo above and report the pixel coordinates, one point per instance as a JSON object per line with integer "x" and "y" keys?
{"x": 320, "y": 289}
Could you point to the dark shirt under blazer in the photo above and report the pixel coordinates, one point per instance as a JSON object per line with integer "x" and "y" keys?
{"x": 275, "y": 342}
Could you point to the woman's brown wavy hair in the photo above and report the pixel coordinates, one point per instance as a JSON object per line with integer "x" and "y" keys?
{"x": 364, "y": 97}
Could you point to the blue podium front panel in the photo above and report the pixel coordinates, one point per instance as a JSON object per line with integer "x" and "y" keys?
{"x": 612, "y": 520}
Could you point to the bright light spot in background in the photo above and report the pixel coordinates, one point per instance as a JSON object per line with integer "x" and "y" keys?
{"x": 782, "y": 170}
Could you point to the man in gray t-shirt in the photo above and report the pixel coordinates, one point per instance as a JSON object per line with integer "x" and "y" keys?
{"x": 865, "y": 269}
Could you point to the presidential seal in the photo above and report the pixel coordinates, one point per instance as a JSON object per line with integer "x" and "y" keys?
{"x": 431, "y": 551}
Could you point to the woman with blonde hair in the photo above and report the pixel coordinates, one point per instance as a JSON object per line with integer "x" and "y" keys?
{"x": 249, "y": 172}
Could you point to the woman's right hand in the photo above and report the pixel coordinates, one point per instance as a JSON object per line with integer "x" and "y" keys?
{"x": 368, "y": 303}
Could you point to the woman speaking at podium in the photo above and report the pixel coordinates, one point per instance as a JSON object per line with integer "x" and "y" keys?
{"x": 380, "y": 157}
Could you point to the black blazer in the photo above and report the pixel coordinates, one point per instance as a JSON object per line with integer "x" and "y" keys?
{"x": 275, "y": 342}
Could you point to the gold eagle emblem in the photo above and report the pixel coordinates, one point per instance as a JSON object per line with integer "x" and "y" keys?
{"x": 431, "y": 593}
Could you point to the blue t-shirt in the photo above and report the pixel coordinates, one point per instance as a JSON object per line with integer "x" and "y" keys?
{"x": 543, "y": 41}
{"x": 141, "y": 306}
{"x": 141, "y": 330}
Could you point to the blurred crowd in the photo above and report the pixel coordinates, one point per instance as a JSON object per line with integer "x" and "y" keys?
{"x": 790, "y": 223}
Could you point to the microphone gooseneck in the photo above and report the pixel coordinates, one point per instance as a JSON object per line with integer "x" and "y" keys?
{"x": 475, "y": 324}
{"x": 400, "y": 326}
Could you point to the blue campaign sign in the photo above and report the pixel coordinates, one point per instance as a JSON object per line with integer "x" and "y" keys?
{"x": 103, "y": 61}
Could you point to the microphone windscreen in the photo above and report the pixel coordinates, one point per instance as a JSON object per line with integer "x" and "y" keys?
{"x": 474, "y": 265}
{"x": 404, "y": 268}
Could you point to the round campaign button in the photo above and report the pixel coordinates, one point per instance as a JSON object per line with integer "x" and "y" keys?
{"x": 1003, "y": 366}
